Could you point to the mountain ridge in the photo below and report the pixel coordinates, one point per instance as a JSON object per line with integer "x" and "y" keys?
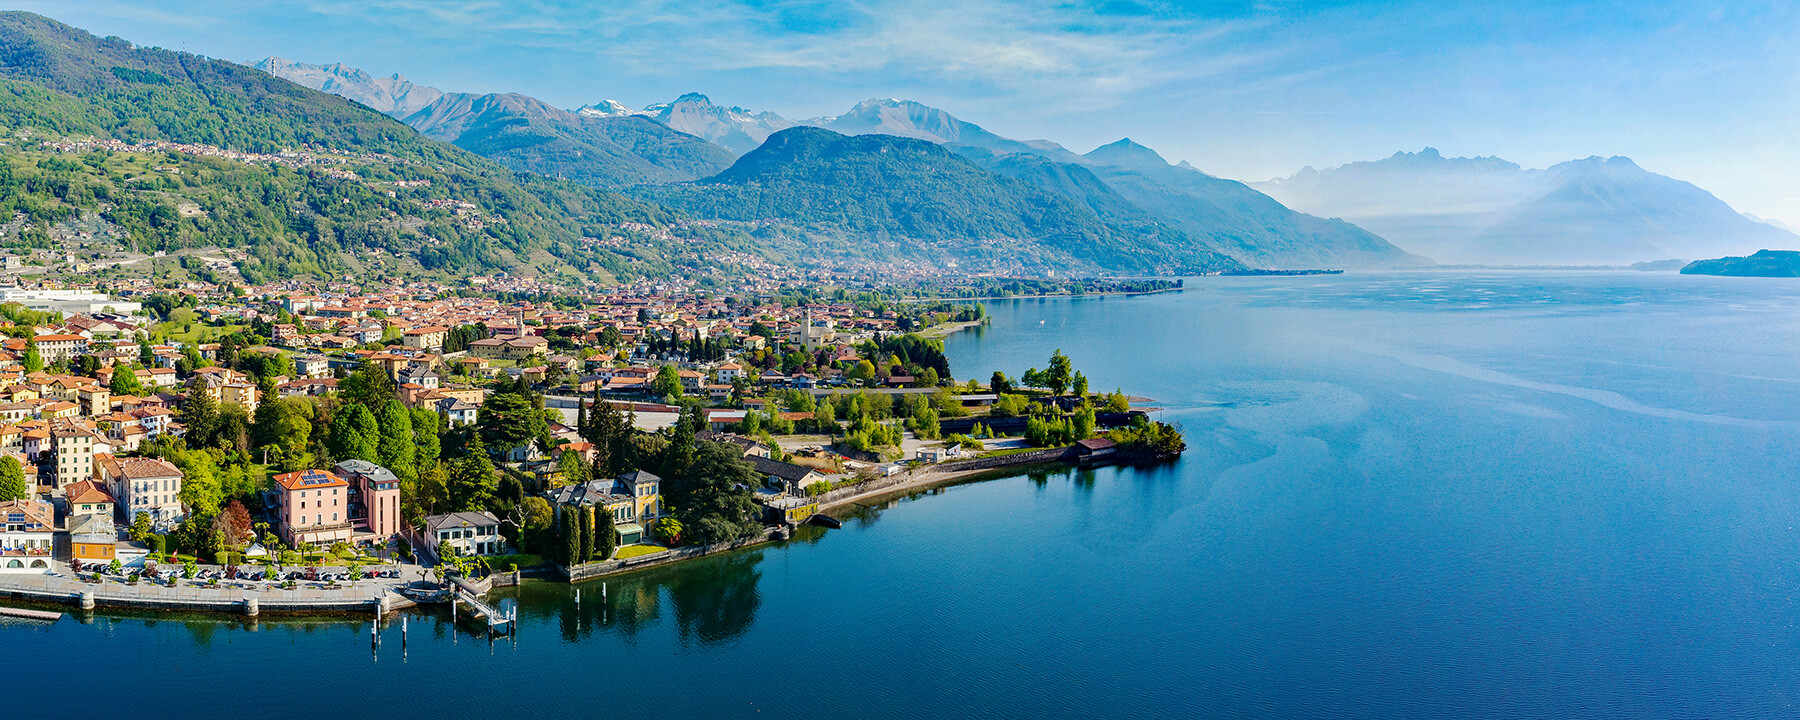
{"x": 1486, "y": 210}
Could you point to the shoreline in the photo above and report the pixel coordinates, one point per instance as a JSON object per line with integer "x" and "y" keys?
{"x": 934, "y": 479}
{"x": 1049, "y": 295}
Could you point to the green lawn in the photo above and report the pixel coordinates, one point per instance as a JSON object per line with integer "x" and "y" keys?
{"x": 500, "y": 562}
{"x": 631, "y": 551}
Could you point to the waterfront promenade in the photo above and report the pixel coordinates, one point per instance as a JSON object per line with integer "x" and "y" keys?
{"x": 240, "y": 596}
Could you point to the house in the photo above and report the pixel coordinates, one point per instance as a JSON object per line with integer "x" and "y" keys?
{"x": 719, "y": 419}
{"x": 788, "y": 477}
{"x": 425, "y": 338}
{"x": 313, "y": 507}
{"x": 142, "y": 485}
{"x": 937, "y": 454}
{"x": 784, "y": 509}
{"x": 53, "y": 348}
{"x": 74, "y": 448}
{"x": 92, "y": 539}
{"x": 312, "y": 366}
{"x": 374, "y": 497}
{"x": 28, "y": 537}
{"x": 421, "y": 376}
{"x": 456, "y": 412}
{"x": 746, "y": 446}
{"x": 508, "y": 348}
{"x": 88, "y": 497}
{"x": 470, "y": 533}
{"x": 730, "y": 372}
{"x": 1095, "y": 449}
{"x": 632, "y": 499}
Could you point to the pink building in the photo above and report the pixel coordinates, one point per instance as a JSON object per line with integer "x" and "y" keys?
{"x": 374, "y": 498}
{"x": 315, "y": 507}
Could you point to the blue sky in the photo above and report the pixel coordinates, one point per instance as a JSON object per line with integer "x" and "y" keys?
{"x": 1702, "y": 91}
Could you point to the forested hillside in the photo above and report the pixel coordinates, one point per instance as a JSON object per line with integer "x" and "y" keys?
{"x": 295, "y": 176}
{"x": 899, "y": 188}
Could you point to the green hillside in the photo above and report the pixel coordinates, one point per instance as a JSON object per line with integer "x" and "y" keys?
{"x": 527, "y": 135}
{"x": 62, "y": 89}
{"x": 899, "y": 189}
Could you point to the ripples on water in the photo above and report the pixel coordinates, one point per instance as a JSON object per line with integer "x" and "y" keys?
{"x": 1411, "y": 495}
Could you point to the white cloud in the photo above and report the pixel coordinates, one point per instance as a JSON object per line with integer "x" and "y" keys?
{"x": 1026, "y": 51}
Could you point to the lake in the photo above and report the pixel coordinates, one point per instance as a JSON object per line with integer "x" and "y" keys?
{"x": 1409, "y": 495}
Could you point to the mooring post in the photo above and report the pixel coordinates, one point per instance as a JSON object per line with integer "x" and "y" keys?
{"x": 87, "y": 601}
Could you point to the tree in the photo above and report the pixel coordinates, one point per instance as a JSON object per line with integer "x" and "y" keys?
{"x": 200, "y": 488}
{"x": 397, "y": 448}
{"x": 12, "y": 479}
{"x": 574, "y": 471}
{"x": 668, "y": 530}
{"x": 429, "y": 496}
{"x": 370, "y": 386}
{"x": 1010, "y": 406}
{"x": 667, "y": 383}
{"x": 570, "y": 533}
{"x": 584, "y": 528}
{"x": 354, "y": 435}
{"x": 1082, "y": 426}
{"x": 200, "y": 413}
{"x": 232, "y": 526}
{"x": 1081, "y": 386}
{"x": 1057, "y": 376}
{"x": 426, "y": 424}
{"x": 470, "y": 483}
{"x": 712, "y": 494}
{"x": 862, "y": 372}
{"x": 606, "y": 537}
{"x": 285, "y": 424}
{"x": 1117, "y": 402}
{"x": 508, "y": 420}
{"x": 33, "y": 361}
{"x": 535, "y": 518}
{"x": 233, "y": 429}
{"x": 124, "y": 382}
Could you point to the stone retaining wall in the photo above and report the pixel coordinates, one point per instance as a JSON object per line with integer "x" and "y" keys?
{"x": 589, "y": 571}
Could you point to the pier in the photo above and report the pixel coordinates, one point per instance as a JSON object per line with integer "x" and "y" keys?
{"x": 466, "y": 593}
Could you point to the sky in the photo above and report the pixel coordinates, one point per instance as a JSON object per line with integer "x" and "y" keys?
{"x": 1702, "y": 91}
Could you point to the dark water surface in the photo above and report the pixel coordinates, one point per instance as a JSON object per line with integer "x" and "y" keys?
{"x": 1408, "y": 496}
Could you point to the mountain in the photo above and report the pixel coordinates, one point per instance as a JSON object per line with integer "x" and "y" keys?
{"x": 1594, "y": 211}
{"x": 1770, "y": 221}
{"x": 606, "y": 108}
{"x": 303, "y": 181}
{"x": 1207, "y": 214}
{"x": 733, "y": 128}
{"x": 929, "y": 202}
{"x": 394, "y": 95}
{"x": 1764, "y": 263}
{"x": 602, "y": 145}
{"x": 1230, "y": 217}
{"x": 905, "y": 118}
{"x": 528, "y": 135}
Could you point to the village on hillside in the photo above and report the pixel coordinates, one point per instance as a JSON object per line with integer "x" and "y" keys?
{"x": 152, "y": 432}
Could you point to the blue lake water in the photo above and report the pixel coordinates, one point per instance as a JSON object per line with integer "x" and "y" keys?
{"x": 1419, "y": 495}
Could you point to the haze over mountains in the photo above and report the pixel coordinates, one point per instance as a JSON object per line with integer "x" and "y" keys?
{"x": 1484, "y": 210}
{"x": 394, "y": 95}
{"x": 1200, "y": 222}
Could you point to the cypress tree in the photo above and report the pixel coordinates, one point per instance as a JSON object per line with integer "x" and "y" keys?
{"x": 606, "y": 537}
{"x": 585, "y": 529}
{"x": 571, "y": 545}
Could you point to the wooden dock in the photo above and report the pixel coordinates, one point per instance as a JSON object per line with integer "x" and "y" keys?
{"x": 31, "y": 614}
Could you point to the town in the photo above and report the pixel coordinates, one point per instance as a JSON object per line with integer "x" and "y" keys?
{"x": 333, "y": 444}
